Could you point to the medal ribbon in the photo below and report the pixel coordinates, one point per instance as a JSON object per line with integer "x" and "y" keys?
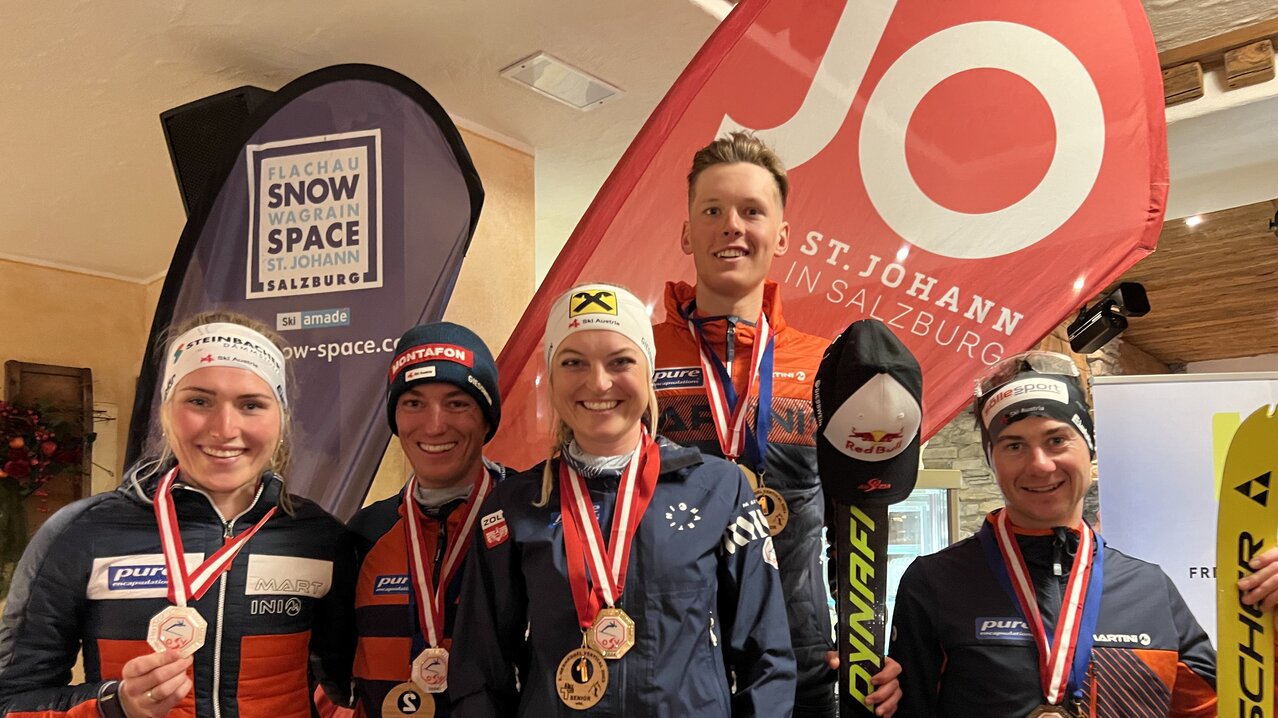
{"x": 726, "y": 407}
{"x": 605, "y": 566}
{"x": 1063, "y": 658}
{"x": 431, "y": 599}
{"x": 184, "y": 586}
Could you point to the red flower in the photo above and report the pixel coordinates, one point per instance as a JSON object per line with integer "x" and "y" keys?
{"x": 17, "y": 469}
{"x": 48, "y": 447}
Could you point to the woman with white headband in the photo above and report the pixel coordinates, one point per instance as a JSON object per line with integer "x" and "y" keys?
{"x": 626, "y": 575}
{"x": 199, "y": 586}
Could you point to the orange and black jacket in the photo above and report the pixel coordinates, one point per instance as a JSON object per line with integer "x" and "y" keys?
{"x": 965, "y": 650}
{"x": 93, "y": 576}
{"x": 791, "y": 459}
{"x": 385, "y": 603}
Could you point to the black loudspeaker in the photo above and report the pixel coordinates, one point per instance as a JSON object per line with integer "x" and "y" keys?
{"x": 200, "y": 133}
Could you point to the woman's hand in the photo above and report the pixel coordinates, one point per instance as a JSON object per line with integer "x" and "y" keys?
{"x": 153, "y": 684}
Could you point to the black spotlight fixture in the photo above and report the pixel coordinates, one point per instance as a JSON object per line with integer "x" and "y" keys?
{"x": 1107, "y": 318}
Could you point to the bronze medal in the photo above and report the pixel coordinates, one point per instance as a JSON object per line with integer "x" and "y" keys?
{"x": 612, "y": 634}
{"x": 430, "y": 670}
{"x": 406, "y": 700}
{"x": 774, "y": 508}
{"x": 751, "y": 477}
{"x": 582, "y": 679}
{"x": 180, "y": 628}
{"x": 1050, "y": 711}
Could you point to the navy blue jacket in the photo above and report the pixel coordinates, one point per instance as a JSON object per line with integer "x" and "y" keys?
{"x": 702, "y": 588}
{"x": 94, "y": 576}
{"x": 965, "y": 649}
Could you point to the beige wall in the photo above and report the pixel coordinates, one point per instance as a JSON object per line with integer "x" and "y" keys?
{"x": 78, "y": 320}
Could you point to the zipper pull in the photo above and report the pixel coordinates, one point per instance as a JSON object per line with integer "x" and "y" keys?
{"x": 1058, "y": 549}
{"x": 730, "y": 349}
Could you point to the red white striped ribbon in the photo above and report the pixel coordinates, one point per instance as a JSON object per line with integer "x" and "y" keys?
{"x": 1054, "y": 659}
{"x": 184, "y": 586}
{"x": 730, "y": 422}
{"x": 430, "y": 598}
{"x": 607, "y": 564}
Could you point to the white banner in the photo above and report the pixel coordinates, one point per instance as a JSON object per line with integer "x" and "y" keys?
{"x": 1160, "y": 445}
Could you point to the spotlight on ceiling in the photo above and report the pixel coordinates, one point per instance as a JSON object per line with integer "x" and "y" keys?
{"x": 554, "y": 78}
{"x": 1194, "y": 221}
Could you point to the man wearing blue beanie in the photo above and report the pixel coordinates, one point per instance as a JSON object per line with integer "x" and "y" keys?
{"x": 442, "y": 402}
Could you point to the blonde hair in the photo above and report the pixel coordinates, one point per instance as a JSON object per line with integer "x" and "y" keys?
{"x": 739, "y": 146}
{"x": 561, "y": 435}
{"x": 158, "y": 450}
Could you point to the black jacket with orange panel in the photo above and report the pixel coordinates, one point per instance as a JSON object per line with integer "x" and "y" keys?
{"x": 965, "y": 650}
{"x": 791, "y": 459}
{"x": 93, "y": 576}
{"x": 386, "y": 615}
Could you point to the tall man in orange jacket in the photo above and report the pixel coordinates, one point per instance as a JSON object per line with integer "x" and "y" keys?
{"x": 726, "y": 339}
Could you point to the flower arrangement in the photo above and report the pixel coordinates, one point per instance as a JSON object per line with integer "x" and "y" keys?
{"x": 34, "y": 449}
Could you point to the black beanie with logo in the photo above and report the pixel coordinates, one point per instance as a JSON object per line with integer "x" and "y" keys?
{"x": 449, "y": 353}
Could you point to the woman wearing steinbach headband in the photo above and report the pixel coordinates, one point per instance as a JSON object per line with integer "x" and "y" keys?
{"x": 199, "y": 585}
{"x": 626, "y": 573}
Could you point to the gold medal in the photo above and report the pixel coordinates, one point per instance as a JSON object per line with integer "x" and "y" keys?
{"x": 612, "y": 634}
{"x": 582, "y": 679}
{"x": 180, "y": 628}
{"x": 774, "y": 508}
{"x": 406, "y": 700}
{"x": 430, "y": 670}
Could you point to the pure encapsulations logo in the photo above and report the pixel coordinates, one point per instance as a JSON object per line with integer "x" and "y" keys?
{"x": 315, "y": 215}
{"x": 390, "y": 584}
{"x": 121, "y": 578}
{"x": 1002, "y": 629}
{"x": 682, "y": 377}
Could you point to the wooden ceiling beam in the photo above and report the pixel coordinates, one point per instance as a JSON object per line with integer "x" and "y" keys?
{"x": 1211, "y": 51}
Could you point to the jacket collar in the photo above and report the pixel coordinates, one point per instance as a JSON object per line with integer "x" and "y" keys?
{"x": 142, "y": 479}
{"x": 679, "y": 296}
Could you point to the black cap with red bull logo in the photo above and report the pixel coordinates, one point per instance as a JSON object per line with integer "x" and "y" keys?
{"x": 868, "y": 402}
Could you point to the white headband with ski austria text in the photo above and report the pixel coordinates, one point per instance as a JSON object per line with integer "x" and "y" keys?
{"x": 600, "y": 306}
{"x": 224, "y": 344}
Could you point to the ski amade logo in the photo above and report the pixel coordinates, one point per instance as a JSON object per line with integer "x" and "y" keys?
{"x": 314, "y": 215}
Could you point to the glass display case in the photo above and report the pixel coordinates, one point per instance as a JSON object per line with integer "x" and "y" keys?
{"x": 917, "y": 526}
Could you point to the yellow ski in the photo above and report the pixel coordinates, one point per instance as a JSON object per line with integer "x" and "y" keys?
{"x": 1247, "y": 524}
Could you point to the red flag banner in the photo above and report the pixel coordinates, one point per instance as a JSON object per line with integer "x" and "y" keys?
{"x": 968, "y": 172}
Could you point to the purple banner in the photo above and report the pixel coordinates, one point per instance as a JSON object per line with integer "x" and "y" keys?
{"x": 341, "y": 221}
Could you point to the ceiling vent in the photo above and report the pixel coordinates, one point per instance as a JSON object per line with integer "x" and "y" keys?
{"x": 552, "y": 77}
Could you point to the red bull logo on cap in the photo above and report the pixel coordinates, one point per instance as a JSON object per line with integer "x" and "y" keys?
{"x": 875, "y": 441}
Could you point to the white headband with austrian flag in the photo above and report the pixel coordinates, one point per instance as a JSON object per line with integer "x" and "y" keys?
{"x": 224, "y": 344}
